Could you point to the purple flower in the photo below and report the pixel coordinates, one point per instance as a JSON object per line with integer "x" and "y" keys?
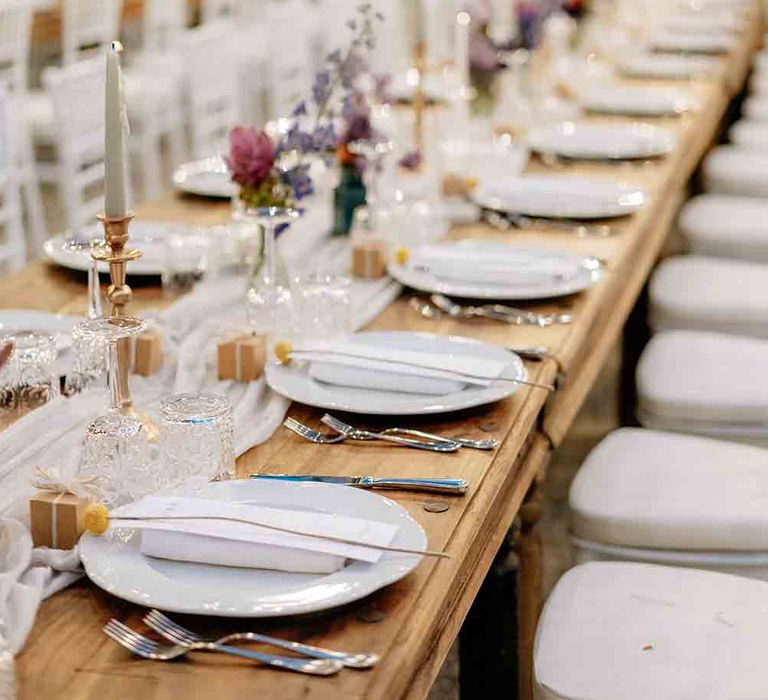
{"x": 411, "y": 160}
{"x": 251, "y": 156}
{"x": 298, "y": 179}
{"x": 321, "y": 87}
{"x": 359, "y": 127}
{"x": 300, "y": 109}
{"x": 482, "y": 53}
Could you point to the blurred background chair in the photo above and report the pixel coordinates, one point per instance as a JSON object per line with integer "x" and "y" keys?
{"x": 13, "y": 247}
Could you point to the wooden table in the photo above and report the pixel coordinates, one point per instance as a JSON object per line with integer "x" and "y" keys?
{"x": 419, "y": 617}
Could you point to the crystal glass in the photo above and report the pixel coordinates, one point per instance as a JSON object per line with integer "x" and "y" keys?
{"x": 185, "y": 261}
{"x": 374, "y": 150}
{"x": 85, "y": 248}
{"x": 196, "y": 437}
{"x": 29, "y": 378}
{"x": 117, "y": 454}
{"x": 269, "y": 294}
{"x": 323, "y": 305}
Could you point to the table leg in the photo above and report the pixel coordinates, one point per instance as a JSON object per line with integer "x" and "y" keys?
{"x": 488, "y": 658}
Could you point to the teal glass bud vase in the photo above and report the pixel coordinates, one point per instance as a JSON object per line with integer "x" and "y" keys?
{"x": 347, "y": 196}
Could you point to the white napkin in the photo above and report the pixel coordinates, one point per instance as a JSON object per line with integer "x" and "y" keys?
{"x": 227, "y": 543}
{"x": 515, "y": 267}
{"x": 367, "y": 366}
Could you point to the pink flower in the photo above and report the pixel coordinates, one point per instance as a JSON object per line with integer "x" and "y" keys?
{"x": 251, "y": 156}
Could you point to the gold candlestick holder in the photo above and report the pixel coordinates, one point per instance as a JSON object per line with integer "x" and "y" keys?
{"x": 119, "y": 295}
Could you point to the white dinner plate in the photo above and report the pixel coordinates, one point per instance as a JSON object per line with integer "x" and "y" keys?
{"x": 208, "y": 177}
{"x": 672, "y": 40}
{"x": 561, "y": 196}
{"x": 293, "y": 381}
{"x": 587, "y": 271}
{"x": 637, "y": 101}
{"x": 148, "y": 236}
{"x": 671, "y": 66}
{"x": 692, "y": 22}
{"x": 591, "y": 141}
{"x": 114, "y": 562}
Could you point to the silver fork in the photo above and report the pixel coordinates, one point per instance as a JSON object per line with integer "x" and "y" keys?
{"x": 501, "y": 312}
{"x": 486, "y": 444}
{"x": 149, "y": 649}
{"x": 174, "y": 632}
{"x": 507, "y": 221}
{"x": 433, "y": 443}
{"x": 312, "y": 435}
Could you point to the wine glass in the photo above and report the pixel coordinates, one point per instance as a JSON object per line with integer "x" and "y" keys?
{"x": 374, "y": 150}
{"x": 117, "y": 456}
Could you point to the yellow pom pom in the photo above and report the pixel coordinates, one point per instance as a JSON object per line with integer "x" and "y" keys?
{"x": 283, "y": 351}
{"x": 472, "y": 183}
{"x": 402, "y": 255}
{"x": 96, "y": 519}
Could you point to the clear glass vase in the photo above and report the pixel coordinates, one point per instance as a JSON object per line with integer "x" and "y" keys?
{"x": 269, "y": 293}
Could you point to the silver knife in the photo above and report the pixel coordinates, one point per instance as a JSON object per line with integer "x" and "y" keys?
{"x": 447, "y": 486}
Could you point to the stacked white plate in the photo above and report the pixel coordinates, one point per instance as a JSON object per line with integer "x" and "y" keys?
{"x": 561, "y": 196}
{"x": 396, "y": 373}
{"x": 671, "y": 66}
{"x": 637, "y": 101}
{"x": 208, "y": 177}
{"x": 705, "y": 383}
{"x": 691, "y": 22}
{"x": 735, "y": 170}
{"x": 726, "y": 226}
{"x": 115, "y": 563}
{"x": 693, "y": 292}
{"x": 594, "y": 141}
{"x": 148, "y": 236}
{"x": 490, "y": 270}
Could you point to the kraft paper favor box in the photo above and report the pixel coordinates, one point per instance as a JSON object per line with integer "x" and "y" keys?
{"x": 56, "y": 519}
{"x": 241, "y": 358}
{"x": 369, "y": 257}
{"x": 147, "y": 354}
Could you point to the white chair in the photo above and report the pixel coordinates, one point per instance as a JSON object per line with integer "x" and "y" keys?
{"x": 214, "y": 10}
{"x": 393, "y": 52}
{"x": 12, "y": 243}
{"x": 623, "y": 631}
{"x": 288, "y": 69}
{"x": 704, "y": 383}
{"x": 88, "y": 27}
{"x": 15, "y": 30}
{"x": 678, "y": 500}
{"x": 77, "y": 95}
{"x": 749, "y": 134}
{"x": 734, "y": 170}
{"x": 211, "y": 86}
{"x": 693, "y": 292}
{"x": 756, "y": 107}
{"x": 726, "y": 226}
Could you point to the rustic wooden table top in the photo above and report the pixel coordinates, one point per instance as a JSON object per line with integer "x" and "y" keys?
{"x": 412, "y": 623}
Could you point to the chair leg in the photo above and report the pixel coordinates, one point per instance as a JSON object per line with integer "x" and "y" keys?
{"x": 149, "y": 147}
{"x": 33, "y": 201}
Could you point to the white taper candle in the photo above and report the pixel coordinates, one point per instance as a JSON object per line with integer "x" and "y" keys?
{"x": 461, "y": 49}
{"x": 116, "y": 134}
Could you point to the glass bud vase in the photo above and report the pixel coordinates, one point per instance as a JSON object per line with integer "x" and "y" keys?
{"x": 269, "y": 295}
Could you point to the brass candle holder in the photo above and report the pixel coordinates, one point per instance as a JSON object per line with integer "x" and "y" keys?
{"x": 119, "y": 294}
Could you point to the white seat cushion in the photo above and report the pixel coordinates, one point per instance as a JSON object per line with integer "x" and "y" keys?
{"x": 734, "y": 170}
{"x": 39, "y": 112}
{"x": 726, "y": 226}
{"x": 750, "y": 133}
{"x": 618, "y": 631}
{"x": 691, "y": 375}
{"x": 643, "y": 488}
{"x": 756, "y": 107}
{"x": 700, "y": 293}
{"x": 758, "y": 82}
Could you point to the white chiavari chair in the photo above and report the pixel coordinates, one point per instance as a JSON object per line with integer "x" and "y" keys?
{"x": 15, "y": 30}
{"x": 214, "y": 10}
{"x": 88, "y": 27}
{"x": 393, "y": 53}
{"x": 12, "y": 243}
{"x": 77, "y": 95}
{"x": 162, "y": 24}
{"x": 211, "y": 86}
{"x": 289, "y": 63}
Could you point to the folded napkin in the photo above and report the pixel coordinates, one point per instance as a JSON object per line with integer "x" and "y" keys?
{"x": 227, "y": 543}
{"x": 493, "y": 267}
{"x": 367, "y": 366}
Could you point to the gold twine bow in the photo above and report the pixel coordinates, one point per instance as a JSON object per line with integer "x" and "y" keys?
{"x": 82, "y": 487}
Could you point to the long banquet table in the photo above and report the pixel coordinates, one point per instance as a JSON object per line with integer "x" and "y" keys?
{"x": 413, "y": 623}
